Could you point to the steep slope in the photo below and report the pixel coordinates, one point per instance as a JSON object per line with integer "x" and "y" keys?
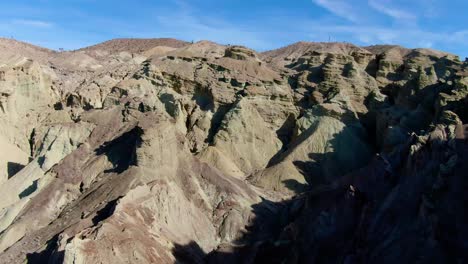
{"x": 161, "y": 151}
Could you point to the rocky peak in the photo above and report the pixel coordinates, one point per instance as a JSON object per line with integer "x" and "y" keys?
{"x": 239, "y": 53}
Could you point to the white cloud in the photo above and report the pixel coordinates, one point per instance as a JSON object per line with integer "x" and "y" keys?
{"x": 339, "y": 8}
{"x": 461, "y": 36}
{"x": 194, "y": 28}
{"x": 32, "y": 23}
{"x": 425, "y": 44}
{"x": 429, "y": 8}
{"x": 410, "y": 37}
{"x": 188, "y": 24}
{"x": 365, "y": 28}
{"x": 390, "y": 11}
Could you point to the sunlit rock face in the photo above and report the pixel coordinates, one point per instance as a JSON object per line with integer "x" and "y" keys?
{"x": 162, "y": 151}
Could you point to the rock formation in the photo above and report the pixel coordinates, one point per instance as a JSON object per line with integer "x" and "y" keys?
{"x": 162, "y": 151}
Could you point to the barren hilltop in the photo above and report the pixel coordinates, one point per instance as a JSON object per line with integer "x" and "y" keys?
{"x": 164, "y": 151}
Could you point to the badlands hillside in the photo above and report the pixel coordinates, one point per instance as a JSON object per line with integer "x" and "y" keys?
{"x": 163, "y": 151}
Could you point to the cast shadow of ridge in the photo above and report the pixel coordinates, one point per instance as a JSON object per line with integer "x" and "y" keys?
{"x": 277, "y": 232}
{"x": 13, "y": 168}
{"x": 121, "y": 152}
{"x": 254, "y": 245}
{"x": 325, "y": 217}
{"x": 269, "y": 238}
{"x": 361, "y": 216}
{"x": 345, "y": 151}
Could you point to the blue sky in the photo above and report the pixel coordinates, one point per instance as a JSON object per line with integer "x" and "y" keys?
{"x": 259, "y": 24}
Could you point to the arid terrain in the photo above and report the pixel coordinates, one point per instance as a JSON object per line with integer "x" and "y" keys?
{"x": 164, "y": 151}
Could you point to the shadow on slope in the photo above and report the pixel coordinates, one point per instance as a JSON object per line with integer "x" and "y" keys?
{"x": 121, "y": 152}
{"x": 13, "y": 168}
{"x": 48, "y": 255}
{"x": 405, "y": 207}
{"x": 335, "y": 154}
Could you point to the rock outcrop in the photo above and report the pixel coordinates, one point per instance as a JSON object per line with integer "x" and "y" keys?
{"x": 162, "y": 151}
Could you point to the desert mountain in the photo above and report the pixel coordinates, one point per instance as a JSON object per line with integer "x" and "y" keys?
{"x": 163, "y": 151}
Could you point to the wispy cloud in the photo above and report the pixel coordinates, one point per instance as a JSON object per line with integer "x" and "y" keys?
{"x": 367, "y": 35}
{"x": 32, "y": 23}
{"x": 186, "y": 23}
{"x": 459, "y": 36}
{"x": 393, "y": 12}
{"x": 364, "y": 27}
{"x": 339, "y": 8}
